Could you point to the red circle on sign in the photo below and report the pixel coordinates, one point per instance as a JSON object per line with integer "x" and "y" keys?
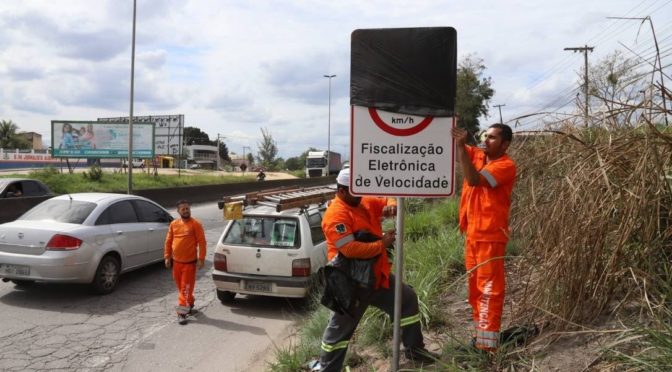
{"x": 399, "y": 132}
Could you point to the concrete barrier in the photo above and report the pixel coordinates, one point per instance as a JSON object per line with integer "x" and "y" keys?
{"x": 207, "y": 193}
{"x": 12, "y": 208}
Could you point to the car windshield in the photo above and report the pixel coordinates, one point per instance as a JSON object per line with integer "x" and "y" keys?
{"x": 264, "y": 231}
{"x": 60, "y": 210}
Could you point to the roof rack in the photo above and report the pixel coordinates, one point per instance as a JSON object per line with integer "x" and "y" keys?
{"x": 283, "y": 199}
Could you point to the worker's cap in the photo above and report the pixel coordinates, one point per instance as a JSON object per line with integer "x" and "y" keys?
{"x": 343, "y": 177}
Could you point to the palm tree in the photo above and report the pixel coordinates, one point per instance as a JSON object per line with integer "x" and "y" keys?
{"x": 9, "y": 139}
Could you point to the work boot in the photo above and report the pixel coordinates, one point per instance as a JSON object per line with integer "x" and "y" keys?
{"x": 181, "y": 319}
{"x": 192, "y": 311}
{"x": 421, "y": 355}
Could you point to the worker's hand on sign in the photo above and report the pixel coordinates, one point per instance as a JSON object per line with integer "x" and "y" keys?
{"x": 390, "y": 211}
{"x": 388, "y": 237}
{"x": 460, "y": 136}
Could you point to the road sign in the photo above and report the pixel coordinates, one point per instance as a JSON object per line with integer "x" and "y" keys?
{"x": 401, "y": 155}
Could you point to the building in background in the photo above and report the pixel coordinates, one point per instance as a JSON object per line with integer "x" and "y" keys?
{"x": 35, "y": 140}
{"x": 201, "y": 156}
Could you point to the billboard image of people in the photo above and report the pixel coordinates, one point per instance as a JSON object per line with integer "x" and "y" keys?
{"x": 79, "y": 139}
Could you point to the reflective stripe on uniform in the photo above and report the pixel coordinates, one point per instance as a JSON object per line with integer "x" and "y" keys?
{"x": 344, "y": 240}
{"x": 410, "y": 320}
{"x": 487, "y": 334}
{"x": 340, "y": 345}
{"x": 487, "y": 338}
{"x": 489, "y": 177}
{"x": 480, "y": 343}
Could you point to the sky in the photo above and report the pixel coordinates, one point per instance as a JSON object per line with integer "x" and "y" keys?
{"x": 235, "y": 67}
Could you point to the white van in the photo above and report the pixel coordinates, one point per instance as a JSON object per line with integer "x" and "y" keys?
{"x": 137, "y": 163}
{"x": 276, "y": 248}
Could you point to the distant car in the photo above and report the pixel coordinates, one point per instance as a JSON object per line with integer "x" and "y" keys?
{"x": 83, "y": 238}
{"x": 195, "y": 166}
{"x": 17, "y": 195}
{"x": 22, "y": 187}
{"x": 346, "y": 165}
{"x": 271, "y": 253}
{"x": 137, "y": 163}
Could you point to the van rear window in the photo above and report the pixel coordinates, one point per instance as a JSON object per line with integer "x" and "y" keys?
{"x": 264, "y": 231}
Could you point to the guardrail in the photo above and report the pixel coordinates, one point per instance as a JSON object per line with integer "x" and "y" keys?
{"x": 12, "y": 208}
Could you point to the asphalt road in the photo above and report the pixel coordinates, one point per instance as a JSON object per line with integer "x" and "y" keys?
{"x": 59, "y": 327}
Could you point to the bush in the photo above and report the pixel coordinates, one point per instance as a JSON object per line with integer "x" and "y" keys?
{"x": 95, "y": 173}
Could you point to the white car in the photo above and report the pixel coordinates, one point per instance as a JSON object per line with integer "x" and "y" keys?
{"x": 83, "y": 238}
{"x": 270, "y": 252}
{"x": 137, "y": 163}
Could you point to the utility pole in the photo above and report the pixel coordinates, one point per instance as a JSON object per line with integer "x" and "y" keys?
{"x": 585, "y": 50}
{"x": 218, "y": 152}
{"x": 130, "y": 114}
{"x": 501, "y": 121}
{"x": 329, "y": 125}
{"x": 660, "y": 63}
{"x": 245, "y": 147}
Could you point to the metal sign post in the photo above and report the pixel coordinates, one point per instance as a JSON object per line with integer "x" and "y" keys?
{"x": 402, "y": 99}
{"x": 399, "y": 276}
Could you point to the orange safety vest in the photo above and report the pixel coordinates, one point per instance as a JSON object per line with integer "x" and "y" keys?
{"x": 181, "y": 241}
{"x": 341, "y": 221}
{"x": 484, "y": 209}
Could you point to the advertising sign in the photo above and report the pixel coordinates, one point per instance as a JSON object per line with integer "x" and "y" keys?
{"x": 401, "y": 155}
{"x": 168, "y": 131}
{"x": 91, "y": 139}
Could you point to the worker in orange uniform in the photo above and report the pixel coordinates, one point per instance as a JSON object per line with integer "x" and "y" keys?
{"x": 489, "y": 176}
{"x": 180, "y": 253}
{"x": 352, "y": 226}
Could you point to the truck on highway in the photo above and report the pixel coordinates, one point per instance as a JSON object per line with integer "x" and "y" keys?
{"x": 317, "y": 165}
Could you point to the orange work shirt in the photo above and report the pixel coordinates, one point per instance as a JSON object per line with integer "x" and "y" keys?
{"x": 484, "y": 209}
{"x": 182, "y": 239}
{"x": 341, "y": 221}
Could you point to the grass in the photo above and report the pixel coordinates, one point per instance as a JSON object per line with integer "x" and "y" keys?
{"x": 648, "y": 347}
{"x": 61, "y": 183}
{"x": 433, "y": 255}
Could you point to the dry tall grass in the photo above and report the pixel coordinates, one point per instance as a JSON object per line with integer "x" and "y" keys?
{"x": 594, "y": 208}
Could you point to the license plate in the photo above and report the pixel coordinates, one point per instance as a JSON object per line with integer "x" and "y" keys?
{"x": 258, "y": 286}
{"x": 8, "y": 269}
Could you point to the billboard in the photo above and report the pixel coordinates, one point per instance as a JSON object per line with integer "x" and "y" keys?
{"x": 168, "y": 131}
{"x": 91, "y": 139}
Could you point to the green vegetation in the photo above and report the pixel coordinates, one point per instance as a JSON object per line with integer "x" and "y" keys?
{"x": 433, "y": 260}
{"x": 9, "y": 138}
{"x": 61, "y": 183}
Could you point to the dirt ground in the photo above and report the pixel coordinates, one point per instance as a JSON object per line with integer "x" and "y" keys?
{"x": 549, "y": 351}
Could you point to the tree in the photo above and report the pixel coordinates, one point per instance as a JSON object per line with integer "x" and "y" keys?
{"x": 473, "y": 93}
{"x": 616, "y": 84}
{"x": 223, "y": 151}
{"x": 9, "y": 138}
{"x": 267, "y": 150}
{"x": 195, "y": 136}
{"x": 250, "y": 158}
{"x": 294, "y": 163}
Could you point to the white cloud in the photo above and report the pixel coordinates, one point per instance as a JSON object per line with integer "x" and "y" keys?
{"x": 234, "y": 67}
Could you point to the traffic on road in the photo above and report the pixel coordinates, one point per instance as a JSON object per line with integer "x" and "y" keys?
{"x": 66, "y": 326}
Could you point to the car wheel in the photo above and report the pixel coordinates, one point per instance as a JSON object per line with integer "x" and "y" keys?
{"x": 22, "y": 283}
{"x": 107, "y": 275}
{"x": 226, "y": 296}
